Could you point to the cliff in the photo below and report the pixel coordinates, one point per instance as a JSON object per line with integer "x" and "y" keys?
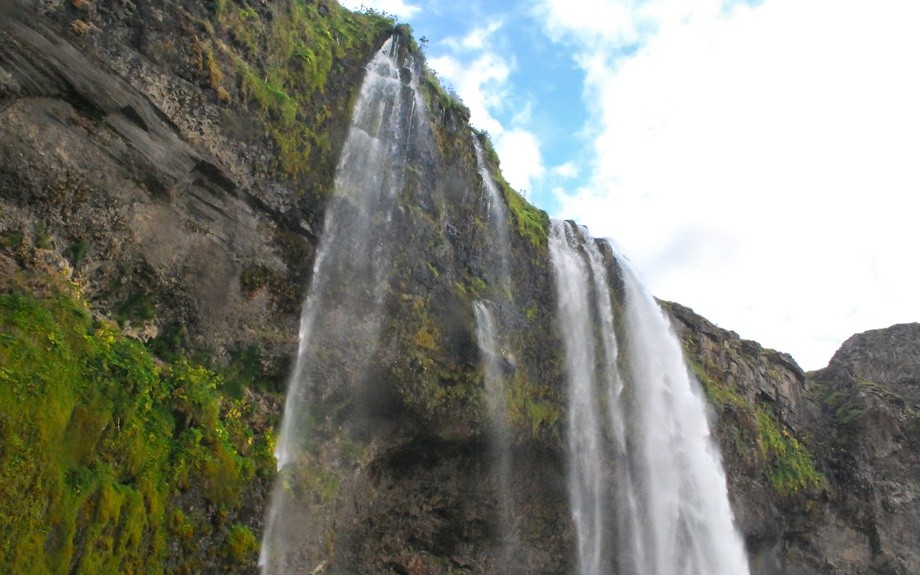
{"x": 165, "y": 174}
{"x": 838, "y": 490}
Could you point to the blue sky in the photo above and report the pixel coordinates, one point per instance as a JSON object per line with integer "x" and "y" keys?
{"x": 757, "y": 161}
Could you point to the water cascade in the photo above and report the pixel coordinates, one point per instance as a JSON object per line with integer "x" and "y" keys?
{"x": 646, "y": 486}
{"x": 497, "y": 406}
{"x": 588, "y": 487}
{"x": 684, "y": 496}
{"x": 342, "y": 314}
{"x": 646, "y": 491}
{"x": 487, "y": 337}
{"x": 497, "y": 216}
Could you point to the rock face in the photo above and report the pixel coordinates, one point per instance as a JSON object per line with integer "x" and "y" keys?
{"x": 858, "y": 418}
{"x": 165, "y": 157}
{"x": 871, "y": 442}
{"x": 117, "y": 146}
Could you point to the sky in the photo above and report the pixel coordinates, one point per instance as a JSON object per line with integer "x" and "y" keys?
{"x": 758, "y": 161}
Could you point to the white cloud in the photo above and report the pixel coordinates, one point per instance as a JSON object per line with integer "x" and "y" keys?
{"x": 480, "y": 81}
{"x": 476, "y": 40}
{"x": 521, "y": 160}
{"x": 398, "y": 8}
{"x": 479, "y": 74}
{"x": 567, "y": 170}
{"x": 758, "y": 163}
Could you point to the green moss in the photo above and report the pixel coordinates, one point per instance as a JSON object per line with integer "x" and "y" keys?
{"x": 532, "y": 410}
{"x": 791, "y": 467}
{"x": 138, "y": 306}
{"x": 99, "y": 442}
{"x": 531, "y": 223}
{"x": 718, "y": 391}
{"x": 42, "y": 237}
{"x": 245, "y": 372}
{"x": 75, "y": 398}
{"x": 475, "y": 288}
{"x": 11, "y": 238}
{"x": 282, "y": 65}
{"x": 429, "y": 381}
{"x": 271, "y": 98}
{"x": 786, "y": 462}
{"x": 241, "y": 544}
{"x": 76, "y": 251}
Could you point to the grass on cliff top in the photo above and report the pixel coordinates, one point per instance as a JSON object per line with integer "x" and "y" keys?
{"x": 279, "y": 61}
{"x": 99, "y": 443}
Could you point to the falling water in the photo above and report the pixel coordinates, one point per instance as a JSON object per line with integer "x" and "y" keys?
{"x": 684, "y": 495}
{"x": 587, "y": 478}
{"x": 487, "y": 336}
{"x": 628, "y": 519}
{"x": 647, "y": 491}
{"x": 497, "y": 217}
{"x": 497, "y": 407}
{"x": 342, "y": 314}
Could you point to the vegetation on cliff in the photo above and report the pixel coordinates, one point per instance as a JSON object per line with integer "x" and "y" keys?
{"x": 530, "y": 222}
{"x": 760, "y": 437}
{"x": 111, "y": 460}
{"x": 284, "y": 61}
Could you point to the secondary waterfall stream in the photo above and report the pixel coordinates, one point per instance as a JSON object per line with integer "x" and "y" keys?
{"x": 488, "y": 340}
{"x": 647, "y": 491}
{"x": 342, "y": 314}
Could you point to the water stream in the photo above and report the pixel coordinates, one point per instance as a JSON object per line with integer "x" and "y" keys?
{"x": 646, "y": 488}
{"x": 343, "y": 311}
{"x": 489, "y": 333}
{"x": 647, "y": 491}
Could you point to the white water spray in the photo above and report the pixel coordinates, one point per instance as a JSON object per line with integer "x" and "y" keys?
{"x": 649, "y": 473}
{"x": 587, "y": 477}
{"x": 497, "y": 216}
{"x": 497, "y": 407}
{"x": 684, "y": 495}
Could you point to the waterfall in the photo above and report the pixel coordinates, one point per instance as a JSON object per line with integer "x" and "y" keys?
{"x": 647, "y": 491}
{"x": 497, "y": 407}
{"x": 487, "y": 337}
{"x": 587, "y": 454}
{"x": 645, "y": 485}
{"x": 684, "y": 498}
{"x": 497, "y": 217}
{"x": 343, "y": 311}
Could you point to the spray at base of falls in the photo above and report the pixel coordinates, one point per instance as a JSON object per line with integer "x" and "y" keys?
{"x": 648, "y": 494}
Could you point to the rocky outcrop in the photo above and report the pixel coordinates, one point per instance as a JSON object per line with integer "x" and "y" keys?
{"x": 871, "y": 446}
{"x": 754, "y": 393}
{"x": 858, "y": 421}
{"x": 118, "y": 151}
